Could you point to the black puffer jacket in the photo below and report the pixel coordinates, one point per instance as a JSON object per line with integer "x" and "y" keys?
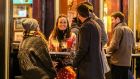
{"x": 34, "y": 59}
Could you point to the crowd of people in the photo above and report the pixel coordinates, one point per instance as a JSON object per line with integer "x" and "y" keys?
{"x": 84, "y": 40}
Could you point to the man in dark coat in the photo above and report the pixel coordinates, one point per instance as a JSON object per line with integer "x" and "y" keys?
{"x": 104, "y": 37}
{"x": 34, "y": 58}
{"x": 88, "y": 62}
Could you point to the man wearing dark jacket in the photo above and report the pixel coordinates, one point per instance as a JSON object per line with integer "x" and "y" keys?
{"x": 104, "y": 37}
{"x": 88, "y": 62}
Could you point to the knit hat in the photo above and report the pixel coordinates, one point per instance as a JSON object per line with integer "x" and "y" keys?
{"x": 29, "y": 24}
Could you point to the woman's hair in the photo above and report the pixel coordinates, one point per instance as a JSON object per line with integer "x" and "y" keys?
{"x": 59, "y": 34}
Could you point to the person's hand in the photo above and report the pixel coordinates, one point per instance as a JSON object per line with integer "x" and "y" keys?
{"x": 55, "y": 63}
{"x": 108, "y": 50}
{"x": 75, "y": 69}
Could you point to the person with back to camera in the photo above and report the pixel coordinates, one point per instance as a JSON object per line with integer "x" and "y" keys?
{"x": 88, "y": 62}
{"x": 34, "y": 58}
{"x": 104, "y": 37}
{"x": 63, "y": 40}
{"x": 121, "y": 46}
{"x": 76, "y": 23}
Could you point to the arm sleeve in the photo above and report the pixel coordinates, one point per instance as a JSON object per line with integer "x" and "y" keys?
{"x": 84, "y": 37}
{"x": 29, "y": 70}
{"x": 134, "y": 44}
{"x": 104, "y": 37}
{"x": 116, "y": 39}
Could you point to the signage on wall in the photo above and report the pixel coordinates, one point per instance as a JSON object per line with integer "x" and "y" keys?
{"x": 22, "y": 1}
{"x": 20, "y": 11}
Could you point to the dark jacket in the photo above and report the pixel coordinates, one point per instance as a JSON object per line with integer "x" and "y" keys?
{"x": 34, "y": 59}
{"x": 88, "y": 59}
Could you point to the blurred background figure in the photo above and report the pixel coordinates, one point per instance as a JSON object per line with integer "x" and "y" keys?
{"x": 34, "y": 58}
{"x": 104, "y": 37}
{"x": 75, "y": 25}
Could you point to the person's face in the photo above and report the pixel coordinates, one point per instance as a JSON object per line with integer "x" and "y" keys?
{"x": 79, "y": 17}
{"x": 62, "y": 23}
{"x": 114, "y": 21}
{"x": 38, "y": 29}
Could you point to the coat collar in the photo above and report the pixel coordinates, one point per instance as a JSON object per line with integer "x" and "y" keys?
{"x": 120, "y": 24}
{"x": 86, "y": 20}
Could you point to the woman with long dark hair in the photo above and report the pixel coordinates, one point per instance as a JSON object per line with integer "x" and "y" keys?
{"x": 63, "y": 40}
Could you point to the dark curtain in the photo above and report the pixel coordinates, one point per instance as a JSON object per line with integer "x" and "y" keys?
{"x": 49, "y": 17}
{"x": 43, "y": 11}
{"x": 2, "y": 38}
{"x": 125, "y": 8}
{"x": 12, "y": 70}
{"x": 37, "y": 11}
